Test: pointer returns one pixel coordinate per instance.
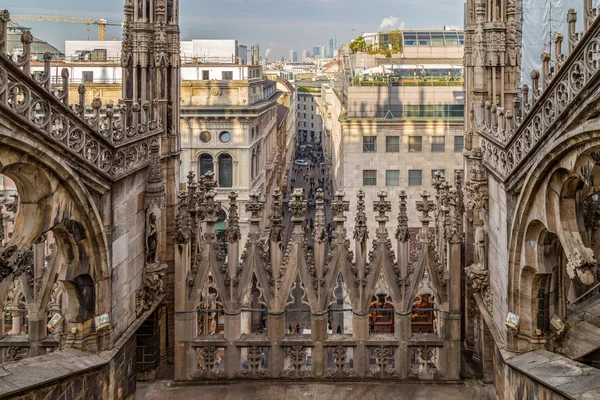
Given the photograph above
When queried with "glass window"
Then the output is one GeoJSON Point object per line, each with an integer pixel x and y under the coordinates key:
{"type": "Point", "coordinates": [415, 177]}
{"type": "Point", "coordinates": [206, 164]}
{"type": "Point", "coordinates": [392, 177]}
{"type": "Point", "coordinates": [225, 137]}
{"type": "Point", "coordinates": [410, 39]}
{"type": "Point", "coordinates": [87, 76]}
{"type": "Point", "coordinates": [424, 39]}
{"type": "Point", "coordinates": [392, 144]}
{"type": "Point", "coordinates": [369, 177]}
{"type": "Point", "coordinates": [459, 143]}
{"type": "Point", "coordinates": [437, 39]}
{"type": "Point", "coordinates": [205, 75]}
{"type": "Point", "coordinates": [227, 75]}
{"type": "Point", "coordinates": [438, 144]}
{"type": "Point", "coordinates": [435, 171]}
{"type": "Point", "coordinates": [225, 171]}
{"type": "Point", "coordinates": [205, 136]}
{"type": "Point", "coordinates": [415, 143]}
{"type": "Point", "coordinates": [369, 144]}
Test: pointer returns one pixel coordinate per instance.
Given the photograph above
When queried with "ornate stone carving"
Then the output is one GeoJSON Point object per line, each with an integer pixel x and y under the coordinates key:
{"type": "Point", "coordinates": [15, 353]}
{"type": "Point", "coordinates": [276, 218]}
{"type": "Point", "coordinates": [320, 234]}
{"type": "Point", "coordinates": [382, 357]}
{"type": "Point", "coordinates": [361, 234]}
{"type": "Point", "coordinates": [340, 357]}
{"type": "Point", "coordinates": [402, 230]}
{"type": "Point", "coordinates": [582, 264]}
{"type": "Point", "coordinates": [209, 362]}
{"type": "Point", "coordinates": [233, 233]}
{"type": "Point", "coordinates": [253, 366]}
{"type": "Point", "coordinates": [152, 288]}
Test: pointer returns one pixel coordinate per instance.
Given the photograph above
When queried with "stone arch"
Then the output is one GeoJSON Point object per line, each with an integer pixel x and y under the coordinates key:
{"type": "Point", "coordinates": [59, 197]}
{"type": "Point", "coordinates": [559, 156]}
{"type": "Point", "coordinates": [205, 163]}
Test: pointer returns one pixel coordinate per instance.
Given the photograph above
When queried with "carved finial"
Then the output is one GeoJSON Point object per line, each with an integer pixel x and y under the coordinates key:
{"type": "Point", "coordinates": [402, 230]}
{"type": "Point", "coordinates": [425, 206]}
{"type": "Point", "coordinates": [4, 16]}
{"type": "Point", "coordinates": [254, 206]}
{"type": "Point", "coordinates": [320, 232]}
{"type": "Point", "coordinates": [276, 217]}
{"type": "Point", "coordinates": [339, 206]}
{"type": "Point", "coordinates": [233, 227]}
{"type": "Point", "coordinates": [210, 207]}
{"type": "Point", "coordinates": [382, 206]}
{"type": "Point", "coordinates": [298, 206]}
{"type": "Point", "coordinates": [360, 228]}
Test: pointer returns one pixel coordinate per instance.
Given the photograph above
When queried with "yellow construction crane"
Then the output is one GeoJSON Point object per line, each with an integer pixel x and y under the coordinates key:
{"type": "Point", "coordinates": [101, 22]}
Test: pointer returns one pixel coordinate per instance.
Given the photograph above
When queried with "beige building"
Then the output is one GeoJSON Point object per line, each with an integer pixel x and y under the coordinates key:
{"type": "Point", "coordinates": [229, 127]}
{"type": "Point", "coordinates": [393, 126]}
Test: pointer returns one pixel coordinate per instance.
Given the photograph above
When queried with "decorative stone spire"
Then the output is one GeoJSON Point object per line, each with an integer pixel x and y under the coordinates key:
{"type": "Point", "coordinates": [210, 207]}
{"type": "Point", "coordinates": [402, 230]}
{"type": "Point", "coordinates": [254, 206]}
{"type": "Point", "coordinates": [155, 190]}
{"type": "Point", "coordinates": [276, 217]}
{"type": "Point", "coordinates": [339, 206]}
{"type": "Point", "coordinates": [425, 206]}
{"type": "Point", "coordinates": [382, 206]}
{"type": "Point", "coordinates": [361, 233]}
{"type": "Point", "coordinates": [233, 227]}
{"type": "Point", "coordinates": [320, 232]}
{"type": "Point", "coordinates": [298, 206]}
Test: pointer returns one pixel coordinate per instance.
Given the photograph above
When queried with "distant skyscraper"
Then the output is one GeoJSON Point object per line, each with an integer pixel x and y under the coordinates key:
{"type": "Point", "coordinates": [303, 56]}
{"type": "Point", "coordinates": [293, 56]}
{"type": "Point", "coordinates": [317, 51]}
{"type": "Point", "coordinates": [332, 48]}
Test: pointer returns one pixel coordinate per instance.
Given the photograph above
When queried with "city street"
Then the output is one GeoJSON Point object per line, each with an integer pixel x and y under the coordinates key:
{"type": "Point", "coordinates": [309, 178]}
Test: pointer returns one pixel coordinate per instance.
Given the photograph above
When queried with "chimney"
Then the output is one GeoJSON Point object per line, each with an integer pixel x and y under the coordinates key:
{"type": "Point", "coordinates": [257, 54]}
{"type": "Point", "coordinates": [251, 60]}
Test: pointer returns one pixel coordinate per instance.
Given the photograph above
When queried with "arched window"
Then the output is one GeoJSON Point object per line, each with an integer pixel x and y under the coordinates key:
{"type": "Point", "coordinates": [206, 164]}
{"type": "Point", "coordinates": [253, 165]}
{"type": "Point", "coordinates": [225, 170]}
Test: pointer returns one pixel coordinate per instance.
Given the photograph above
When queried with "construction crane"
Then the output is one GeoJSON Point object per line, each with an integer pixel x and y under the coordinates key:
{"type": "Point", "coordinates": [101, 22]}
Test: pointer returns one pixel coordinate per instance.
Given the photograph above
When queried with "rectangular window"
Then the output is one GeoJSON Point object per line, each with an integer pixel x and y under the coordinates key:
{"type": "Point", "coordinates": [434, 171]}
{"type": "Point", "coordinates": [87, 76]}
{"type": "Point", "coordinates": [459, 143]}
{"type": "Point", "coordinates": [415, 143]}
{"type": "Point", "coordinates": [461, 172]}
{"type": "Point", "coordinates": [369, 177]}
{"type": "Point", "coordinates": [369, 144]}
{"type": "Point", "coordinates": [438, 144]}
{"type": "Point", "coordinates": [392, 144]}
{"type": "Point", "coordinates": [392, 177]}
{"type": "Point", "coordinates": [415, 177]}
{"type": "Point", "coordinates": [205, 75]}
{"type": "Point", "coordinates": [227, 75]}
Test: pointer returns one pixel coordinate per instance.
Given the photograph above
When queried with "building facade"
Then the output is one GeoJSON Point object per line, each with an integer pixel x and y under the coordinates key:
{"type": "Point", "coordinates": [394, 126]}
{"type": "Point", "coordinates": [229, 128]}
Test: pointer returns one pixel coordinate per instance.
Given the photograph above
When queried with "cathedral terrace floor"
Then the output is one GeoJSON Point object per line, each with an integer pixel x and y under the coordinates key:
{"type": "Point", "coordinates": [163, 390]}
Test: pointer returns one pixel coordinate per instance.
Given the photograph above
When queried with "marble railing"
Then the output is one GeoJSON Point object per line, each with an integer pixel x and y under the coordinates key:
{"type": "Point", "coordinates": [112, 141]}
{"type": "Point", "coordinates": [507, 139]}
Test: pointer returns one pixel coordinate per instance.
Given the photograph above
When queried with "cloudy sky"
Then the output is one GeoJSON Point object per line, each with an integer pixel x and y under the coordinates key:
{"type": "Point", "coordinates": [278, 25]}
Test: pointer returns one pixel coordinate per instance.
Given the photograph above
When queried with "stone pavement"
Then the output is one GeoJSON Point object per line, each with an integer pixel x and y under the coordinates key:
{"type": "Point", "coordinates": [162, 390]}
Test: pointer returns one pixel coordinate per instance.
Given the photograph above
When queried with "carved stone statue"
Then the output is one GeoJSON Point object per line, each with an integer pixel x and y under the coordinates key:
{"type": "Point", "coordinates": [480, 256]}
{"type": "Point", "coordinates": [151, 240]}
